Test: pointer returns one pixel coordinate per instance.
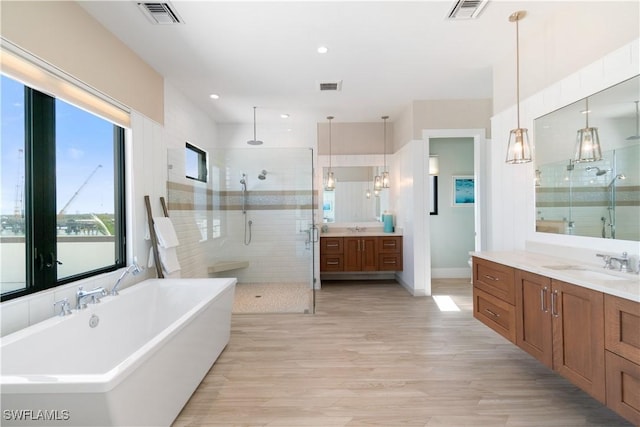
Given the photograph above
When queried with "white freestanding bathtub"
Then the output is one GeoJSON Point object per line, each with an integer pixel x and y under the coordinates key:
{"type": "Point", "coordinates": [138, 366]}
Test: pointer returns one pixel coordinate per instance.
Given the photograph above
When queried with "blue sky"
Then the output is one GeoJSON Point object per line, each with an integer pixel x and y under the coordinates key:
{"type": "Point", "coordinates": [83, 141]}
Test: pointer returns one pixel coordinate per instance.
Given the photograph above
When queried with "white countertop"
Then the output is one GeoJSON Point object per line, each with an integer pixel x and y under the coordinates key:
{"type": "Point", "coordinates": [366, 233]}
{"type": "Point", "coordinates": [591, 276]}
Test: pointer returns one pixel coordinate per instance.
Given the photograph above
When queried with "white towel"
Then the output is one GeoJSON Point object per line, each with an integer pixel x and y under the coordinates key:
{"type": "Point", "coordinates": [168, 261]}
{"type": "Point", "coordinates": [165, 232]}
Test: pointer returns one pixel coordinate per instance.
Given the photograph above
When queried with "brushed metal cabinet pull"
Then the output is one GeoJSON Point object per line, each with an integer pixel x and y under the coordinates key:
{"type": "Point", "coordinates": [491, 312]}
{"type": "Point", "coordinates": [543, 299]}
{"type": "Point", "coordinates": [554, 304]}
{"type": "Point", "coordinates": [495, 279]}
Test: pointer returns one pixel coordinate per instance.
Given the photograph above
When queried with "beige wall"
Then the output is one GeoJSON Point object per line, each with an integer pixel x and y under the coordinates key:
{"type": "Point", "coordinates": [64, 35]}
{"type": "Point", "coordinates": [355, 138]}
{"type": "Point", "coordinates": [573, 38]}
{"type": "Point", "coordinates": [451, 114]}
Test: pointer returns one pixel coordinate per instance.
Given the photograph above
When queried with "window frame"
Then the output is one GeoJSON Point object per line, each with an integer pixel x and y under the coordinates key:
{"type": "Point", "coordinates": [40, 197]}
{"type": "Point", "coordinates": [202, 163]}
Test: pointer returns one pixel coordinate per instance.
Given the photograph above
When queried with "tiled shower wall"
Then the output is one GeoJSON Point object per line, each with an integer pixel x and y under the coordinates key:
{"type": "Point", "coordinates": [568, 191]}
{"type": "Point", "coordinates": [211, 226]}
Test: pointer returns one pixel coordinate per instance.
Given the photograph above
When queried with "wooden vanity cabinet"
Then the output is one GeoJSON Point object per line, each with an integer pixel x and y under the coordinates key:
{"type": "Point", "coordinates": [494, 297]}
{"type": "Point", "coordinates": [533, 320]}
{"type": "Point", "coordinates": [389, 253]}
{"type": "Point", "coordinates": [331, 254]}
{"type": "Point", "coordinates": [562, 325]}
{"type": "Point", "coordinates": [361, 253]}
{"type": "Point", "coordinates": [622, 344]}
{"type": "Point", "coordinates": [578, 336]}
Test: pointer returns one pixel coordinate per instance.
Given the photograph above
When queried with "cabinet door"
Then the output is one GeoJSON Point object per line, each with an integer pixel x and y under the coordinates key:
{"type": "Point", "coordinates": [533, 318]}
{"type": "Point", "coordinates": [369, 253]}
{"type": "Point", "coordinates": [578, 336]}
{"type": "Point", "coordinates": [352, 257]}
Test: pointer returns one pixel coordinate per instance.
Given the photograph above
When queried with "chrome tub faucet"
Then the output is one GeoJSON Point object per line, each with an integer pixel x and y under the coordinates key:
{"type": "Point", "coordinates": [82, 296]}
{"type": "Point", "coordinates": [134, 269]}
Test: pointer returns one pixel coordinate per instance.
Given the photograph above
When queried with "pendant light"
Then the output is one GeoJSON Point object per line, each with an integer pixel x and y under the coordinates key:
{"type": "Point", "coordinates": [519, 148]}
{"type": "Point", "coordinates": [330, 184]}
{"type": "Point", "coordinates": [587, 142]}
{"type": "Point", "coordinates": [254, 141]}
{"type": "Point", "coordinates": [385, 173]}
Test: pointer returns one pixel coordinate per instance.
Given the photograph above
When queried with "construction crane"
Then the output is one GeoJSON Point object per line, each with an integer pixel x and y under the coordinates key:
{"type": "Point", "coordinates": [64, 209]}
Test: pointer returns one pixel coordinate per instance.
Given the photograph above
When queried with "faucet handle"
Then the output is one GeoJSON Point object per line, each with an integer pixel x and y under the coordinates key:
{"type": "Point", "coordinates": [607, 260]}
{"type": "Point", "coordinates": [64, 307]}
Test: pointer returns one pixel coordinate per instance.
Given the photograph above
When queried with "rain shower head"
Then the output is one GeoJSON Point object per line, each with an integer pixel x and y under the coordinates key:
{"type": "Point", "coordinates": [263, 175]}
{"type": "Point", "coordinates": [599, 172]}
{"type": "Point", "coordinates": [254, 141]}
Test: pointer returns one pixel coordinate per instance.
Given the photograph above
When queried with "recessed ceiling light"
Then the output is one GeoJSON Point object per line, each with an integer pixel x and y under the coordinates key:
{"type": "Point", "coordinates": [214, 96]}
{"type": "Point", "coordinates": [323, 49]}
{"type": "Point", "coordinates": [284, 116]}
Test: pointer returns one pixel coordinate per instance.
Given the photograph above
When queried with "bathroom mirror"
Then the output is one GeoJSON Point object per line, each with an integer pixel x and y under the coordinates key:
{"type": "Point", "coordinates": [349, 201]}
{"type": "Point", "coordinates": [599, 198]}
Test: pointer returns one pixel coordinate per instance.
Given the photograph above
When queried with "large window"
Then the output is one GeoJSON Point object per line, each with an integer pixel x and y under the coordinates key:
{"type": "Point", "coordinates": [62, 192]}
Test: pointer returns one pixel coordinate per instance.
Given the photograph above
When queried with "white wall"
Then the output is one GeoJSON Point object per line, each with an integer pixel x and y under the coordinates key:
{"type": "Point", "coordinates": [512, 211]}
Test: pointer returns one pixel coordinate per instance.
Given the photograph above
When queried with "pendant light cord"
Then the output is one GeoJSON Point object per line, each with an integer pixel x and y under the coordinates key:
{"type": "Point", "coordinates": [518, 69]}
{"type": "Point", "coordinates": [587, 112]}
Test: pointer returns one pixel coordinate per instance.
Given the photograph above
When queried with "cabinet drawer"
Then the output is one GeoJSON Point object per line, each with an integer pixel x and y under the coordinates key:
{"type": "Point", "coordinates": [331, 245]}
{"type": "Point", "coordinates": [495, 313]}
{"type": "Point", "coordinates": [495, 279]}
{"type": "Point", "coordinates": [390, 262]}
{"type": "Point", "coordinates": [389, 244]}
{"type": "Point", "coordinates": [331, 263]}
{"type": "Point", "coordinates": [623, 387]}
{"type": "Point", "coordinates": [622, 327]}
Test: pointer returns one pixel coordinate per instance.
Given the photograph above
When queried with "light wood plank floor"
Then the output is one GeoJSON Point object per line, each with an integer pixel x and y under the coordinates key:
{"type": "Point", "coordinates": [375, 355]}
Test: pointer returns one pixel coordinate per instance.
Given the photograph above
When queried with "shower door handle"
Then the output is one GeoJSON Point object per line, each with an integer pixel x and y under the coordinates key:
{"type": "Point", "coordinates": [316, 235]}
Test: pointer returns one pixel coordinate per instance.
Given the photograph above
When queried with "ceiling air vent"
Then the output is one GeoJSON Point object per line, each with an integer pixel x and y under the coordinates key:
{"type": "Point", "coordinates": [467, 9]}
{"type": "Point", "coordinates": [330, 86]}
{"type": "Point", "coordinates": [160, 13]}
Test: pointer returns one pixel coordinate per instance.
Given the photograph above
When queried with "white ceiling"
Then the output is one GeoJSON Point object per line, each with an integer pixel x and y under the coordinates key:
{"type": "Point", "coordinates": [387, 53]}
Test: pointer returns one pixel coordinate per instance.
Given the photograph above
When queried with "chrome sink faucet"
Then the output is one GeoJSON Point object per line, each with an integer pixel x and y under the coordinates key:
{"type": "Point", "coordinates": [82, 296]}
{"type": "Point", "coordinates": [621, 263]}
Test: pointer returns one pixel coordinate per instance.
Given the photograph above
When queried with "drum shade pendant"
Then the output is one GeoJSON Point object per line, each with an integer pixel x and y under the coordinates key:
{"type": "Point", "coordinates": [519, 148]}
{"type": "Point", "coordinates": [587, 142]}
{"type": "Point", "coordinates": [330, 183]}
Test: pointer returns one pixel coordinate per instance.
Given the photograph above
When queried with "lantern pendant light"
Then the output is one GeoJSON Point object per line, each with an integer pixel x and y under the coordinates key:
{"type": "Point", "coordinates": [385, 173]}
{"type": "Point", "coordinates": [331, 181]}
{"type": "Point", "coordinates": [519, 148]}
{"type": "Point", "coordinates": [587, 142]}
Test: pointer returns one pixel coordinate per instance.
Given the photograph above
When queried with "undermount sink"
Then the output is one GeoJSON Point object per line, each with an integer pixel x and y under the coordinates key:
{"type": "Point", "coordinates": [581, 272]}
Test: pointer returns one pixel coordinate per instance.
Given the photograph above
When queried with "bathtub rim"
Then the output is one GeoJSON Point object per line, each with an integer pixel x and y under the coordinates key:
{"type": "Point", "coordinates": [104, 382]}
